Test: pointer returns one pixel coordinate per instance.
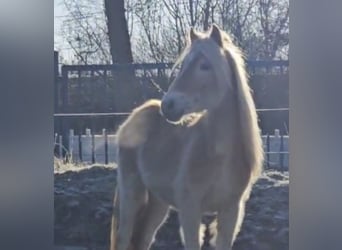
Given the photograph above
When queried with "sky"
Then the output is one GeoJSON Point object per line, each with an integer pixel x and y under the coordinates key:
{"type": "Point", "coordinates": [59, 45]}
{"type": "Point", "coordinates": [60, 14]}
{"type": "Point", "coordinates": [58, 11]}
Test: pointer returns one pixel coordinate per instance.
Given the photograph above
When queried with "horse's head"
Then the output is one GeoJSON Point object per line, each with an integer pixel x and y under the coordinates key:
{"type": "Point", "coordinates": [204, 77]}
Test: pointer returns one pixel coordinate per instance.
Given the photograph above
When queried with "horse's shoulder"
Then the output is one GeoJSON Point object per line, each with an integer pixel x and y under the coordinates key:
{"type": "Point", "coordinates": [134, 131]}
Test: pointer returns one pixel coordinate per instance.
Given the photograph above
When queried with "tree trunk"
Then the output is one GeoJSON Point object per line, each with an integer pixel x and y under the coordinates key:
{"type": "Point", "coordinates": [191, 5]}
{"type": "Point", "coordinates": [120, 46]}
{"type": "Point", "coordinates": [206, 15]}
{"type": "Point", "coordinates": [126, 88]}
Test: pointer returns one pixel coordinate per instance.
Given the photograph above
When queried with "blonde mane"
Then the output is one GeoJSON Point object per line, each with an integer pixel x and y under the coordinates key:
{"type": "Point", "coordinates": [250, 132]}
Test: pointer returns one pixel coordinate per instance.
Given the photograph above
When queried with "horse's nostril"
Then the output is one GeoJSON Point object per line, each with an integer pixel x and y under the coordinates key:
{"type": "Point", "coordinates": [170, 110]}
{"type": "Point", "coordinates": [170, 104]}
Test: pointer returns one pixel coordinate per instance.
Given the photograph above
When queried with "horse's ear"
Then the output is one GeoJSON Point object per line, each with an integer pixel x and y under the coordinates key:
{"type": "Point", "coordinates": [193, 35]}
{"type": "Point", "coordinates": [216, 34]}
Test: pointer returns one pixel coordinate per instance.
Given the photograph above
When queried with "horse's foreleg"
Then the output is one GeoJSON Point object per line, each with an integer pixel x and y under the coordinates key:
{"type": "Point", "coordinates": [149, 220]}
{"type": "Point", "coordinates": [190, 220]}
{"type": "Point", "coordinates": [228, 225]}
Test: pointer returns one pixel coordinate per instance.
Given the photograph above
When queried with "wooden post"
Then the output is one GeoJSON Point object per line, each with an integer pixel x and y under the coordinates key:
{"type": "Point", "coordinates": [65, 101]}
{"type": "Point", "coordinates": [268, 150]}
{"type": "Point", "coordinates": [104, 132]}
{"type": "Point", "coordinates": [60, 148]}
{"type": "Point", "coordinates": [65, 105]}
{"type": "Point", "coordinates": [71, 143]}
{"type": "Point", "coordinates": [276, 157]}
{"type": "Point", "coordinates": [282, 151]}
{"type": "Point", "coordinates": [56, 74]}
{"type": "Point", "coordinates": [55, 144]}
{"type": "Point", "coordinates": [80, 146]}
{"type": "Point", "coordinates": [93, 148]}
{"type": "Point", "coordinates": [276, 133]}
{"type": "Point", "coordinates": [87, 142]}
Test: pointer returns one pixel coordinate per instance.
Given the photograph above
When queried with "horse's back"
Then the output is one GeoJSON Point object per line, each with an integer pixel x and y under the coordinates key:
{"type": "Point", "coordinates": [135, 130]}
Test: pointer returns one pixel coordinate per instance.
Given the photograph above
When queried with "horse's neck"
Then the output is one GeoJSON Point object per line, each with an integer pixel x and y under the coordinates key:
{"type": "Point", "coordinates": [222, 126]}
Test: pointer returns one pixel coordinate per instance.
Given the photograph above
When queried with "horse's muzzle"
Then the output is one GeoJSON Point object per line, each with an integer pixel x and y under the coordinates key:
{"type": "Point", "coordinates": [170, 110]}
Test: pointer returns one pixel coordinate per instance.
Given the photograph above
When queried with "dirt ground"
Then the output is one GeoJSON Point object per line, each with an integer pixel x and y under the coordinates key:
{"type": "Point", "coordinates": [83, 205]}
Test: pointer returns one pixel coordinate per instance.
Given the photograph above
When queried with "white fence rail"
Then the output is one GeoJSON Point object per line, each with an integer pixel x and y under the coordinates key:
{"type": "Point", "coordinates": [101, 148]}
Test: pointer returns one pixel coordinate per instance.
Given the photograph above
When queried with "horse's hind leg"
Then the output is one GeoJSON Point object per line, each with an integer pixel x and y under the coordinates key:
{"type": "Point", "coordinates": [148, 223]}
{"type": "Point", "coordinates": [228, 225]}
{"type": "Point", "coordinates": [132, 197]}
{"type": "Point", "coordinates": [131, 202]}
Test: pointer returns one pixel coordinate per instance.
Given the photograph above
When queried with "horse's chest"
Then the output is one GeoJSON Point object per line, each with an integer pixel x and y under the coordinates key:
{"type": "Point", "coordinates": [168, 170]}
{"type": "Point", "coordinates": [220, 188]}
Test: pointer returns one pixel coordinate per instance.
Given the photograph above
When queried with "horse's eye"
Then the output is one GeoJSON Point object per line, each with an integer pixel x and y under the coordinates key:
{"type": "Point", "coordinates": [205, 66]}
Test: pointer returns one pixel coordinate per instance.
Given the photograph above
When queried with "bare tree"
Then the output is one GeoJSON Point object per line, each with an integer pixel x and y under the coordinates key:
{"type": "Point", "coordinates": [150, 17]}
{"type": "Point", "coordinates": [274, 20]}
{"type": "Point", "coordinates": [154, 31]}
{"type": "Point", "coordinates": [191, 7]}
{"type": "Point", "coordinates": [120, 45]}
{"type": "Point", "coordinates": [206, 11]}
{"type": "Point", "coordinates": [85, 32]}
{"type": "Point", "coordinates": [127, 92]}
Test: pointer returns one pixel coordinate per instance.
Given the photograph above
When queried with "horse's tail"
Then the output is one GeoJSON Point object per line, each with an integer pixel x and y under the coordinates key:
{"type": "Point", "coordinates": [134, 131]}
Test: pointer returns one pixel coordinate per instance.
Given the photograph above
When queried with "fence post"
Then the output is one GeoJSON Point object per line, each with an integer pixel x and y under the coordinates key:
{"type": "Point", "coordinates": [104, 132]}
{"type": "Point", "coordinates": [60, 146]}
{"type": "Point", "coordinates": [268, 150]}
{"type": "Point", "coordinates": [56, 73]}
{"type": "Point", "coordinates": [56, 94]}
{"type": "Point", "coordinates": [277, 138]}
{"type": "Point", "coordinates": [55, 148]}
{"type": "Point", "coordinates": [71, 143]}
{"type": "Point", "coordinates": [277, 133]}
{"type": "Point", "coordinates": [93, 148]}
{"type": "Point", "coordinates": [282, 151]}
{"type": "Point", "coordinates": [80, 146]}
{"type": "Point", "coordinates": [65, 105]}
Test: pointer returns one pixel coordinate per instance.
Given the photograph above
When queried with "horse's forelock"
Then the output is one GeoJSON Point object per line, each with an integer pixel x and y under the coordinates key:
{"type": "Point", "coordinates": [180, 58]}
{"type": "Point", "coordinates": [210, 51]}
{"type": "Point", "coordinates": [217, 59]}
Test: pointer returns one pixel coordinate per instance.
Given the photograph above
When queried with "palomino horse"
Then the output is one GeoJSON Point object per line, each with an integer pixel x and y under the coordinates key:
{"type": "Point", "coordinates": [199, 150]}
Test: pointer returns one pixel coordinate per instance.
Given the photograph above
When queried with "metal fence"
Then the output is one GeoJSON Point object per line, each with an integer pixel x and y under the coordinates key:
{"type": "Point", "coordinates": [83, 95]}
{"type": "Point", "coordinates": [90, 148]}
{"type": "Point", "coordinates": [73, 77]}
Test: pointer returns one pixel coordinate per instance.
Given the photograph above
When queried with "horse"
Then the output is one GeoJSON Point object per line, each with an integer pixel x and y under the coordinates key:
{"type": "Point", "coordinates": [198, 150]}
